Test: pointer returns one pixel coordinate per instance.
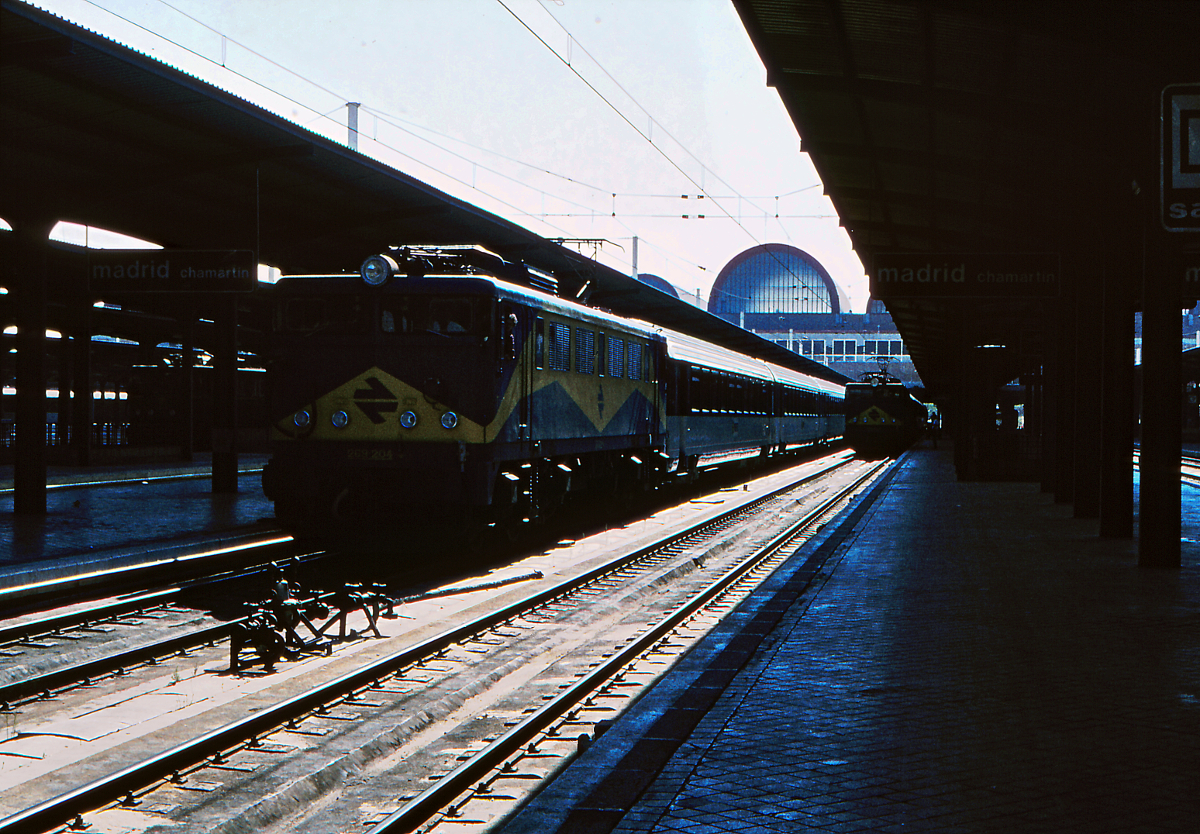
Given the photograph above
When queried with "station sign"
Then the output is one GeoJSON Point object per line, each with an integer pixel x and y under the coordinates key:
{"type": "Point", "coordinates": [171, 270]}
{"type": "Point", "coordinates": [1179, 164]}
{"type": "Point", "coordinates": [899, 275]}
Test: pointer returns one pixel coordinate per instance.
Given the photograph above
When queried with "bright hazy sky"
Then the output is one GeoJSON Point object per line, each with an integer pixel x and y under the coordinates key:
{"type": "Point", "coordinates": [540, 112]}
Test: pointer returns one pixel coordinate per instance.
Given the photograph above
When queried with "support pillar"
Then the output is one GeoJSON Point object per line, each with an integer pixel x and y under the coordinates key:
{"type": "Point", "coordinates": [63, 426]}
{"type": "Point", "coordinates": [1160, 514]}
{"type": "Point", "coordinates": [1117, 383]}
{"type": "Point", "coordinates": [224, 428]}
{"type": "Point", "coordinates": [186, 404]}
{"type": "Point", "coordinates": [1087, 399]}
{"type": "Point", "coordinates": [81, 410]}
{"type": "Point", "coordinates": [1064, 444]}
{"type": "Point", "coordinates": [965, 431]}
{"type": "Point", "coordinates": [29, 472]}
{"type": "Point", "coordinates": [1049, 406]}
{"type": "Point", "coordinates": [4, 361]}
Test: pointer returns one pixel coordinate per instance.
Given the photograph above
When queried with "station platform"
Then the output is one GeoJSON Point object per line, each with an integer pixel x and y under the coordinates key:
{"type": "Point", "coordinates": [950, 657]}
{"type": "Point", "coordinates": [115, 516]}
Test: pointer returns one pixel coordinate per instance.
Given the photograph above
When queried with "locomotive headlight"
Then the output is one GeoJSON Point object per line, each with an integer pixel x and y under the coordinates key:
{"type": "Point", "coordinates": [449, 420]}
{"type": "Point", "coordinates": [302, 419]}
{"type": "Point", "coordinates": [377, 270]}
{"type": "Point", "coordinates": [340, 419]}
{"type": "Point", "coordinates": [408, 419]}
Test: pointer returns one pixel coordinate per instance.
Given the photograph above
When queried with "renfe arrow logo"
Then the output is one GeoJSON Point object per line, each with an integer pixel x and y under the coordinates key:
{"type": "Point", "coordinates": [375, 400]}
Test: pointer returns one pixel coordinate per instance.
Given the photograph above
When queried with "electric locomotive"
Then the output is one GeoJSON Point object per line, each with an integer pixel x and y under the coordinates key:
{"type": "Point", "coordinates": [882, 416]}
{"type": "Point", "coordinates": [447, 385]}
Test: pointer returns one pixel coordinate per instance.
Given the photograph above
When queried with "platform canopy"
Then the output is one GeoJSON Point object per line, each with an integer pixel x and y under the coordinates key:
{"type": "Point", "coordinates": [980, 127]}
{"type": "Point", "coordinates": [95, 133]}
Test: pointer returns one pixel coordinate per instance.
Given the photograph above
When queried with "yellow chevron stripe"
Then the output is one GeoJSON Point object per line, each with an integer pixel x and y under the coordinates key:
{"type": "Point", "coordinates": [583, 389]}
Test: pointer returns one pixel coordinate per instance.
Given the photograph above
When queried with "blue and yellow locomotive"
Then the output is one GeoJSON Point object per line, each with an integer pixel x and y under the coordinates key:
{"type": "Point", "coordinates": [882, 415]}
{"type": "Point", "coordinates": [441, 384]}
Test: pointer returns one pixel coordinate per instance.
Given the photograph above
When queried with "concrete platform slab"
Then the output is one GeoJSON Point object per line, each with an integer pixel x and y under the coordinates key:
{"type": "Point", "coordinates": [971, 658]}
{"type": "Point", "coordinates": [108, 512]}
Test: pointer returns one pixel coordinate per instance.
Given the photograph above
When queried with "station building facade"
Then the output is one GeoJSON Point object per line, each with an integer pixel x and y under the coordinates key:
{"type": "Point", "coordinates": [784, 294]}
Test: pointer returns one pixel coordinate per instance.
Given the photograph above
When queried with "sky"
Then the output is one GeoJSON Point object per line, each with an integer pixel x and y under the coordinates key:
{"type": "Point", "coordinates": [579, 119]}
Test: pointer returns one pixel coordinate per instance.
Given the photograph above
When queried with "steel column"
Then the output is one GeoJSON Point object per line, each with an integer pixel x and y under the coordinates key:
{"type": "Point", "coordinates": [29, 473]}
{"type": "Point", "coordinates": [1159, 516]}
{"type": "Point", "coordinates": [1089, 301]}
{"type": "Point", "coordinates": [224, 419]}
{"type": "Point", "coordinates": [1117, 378]}
{"type": "Point", "coordinates": [1064, 427]}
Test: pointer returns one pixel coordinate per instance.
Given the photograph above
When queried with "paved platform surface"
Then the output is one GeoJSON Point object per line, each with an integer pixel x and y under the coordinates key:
{"type": "Point", "coordinates": [93, 511]}
{"type": "Point", "coordinates": [960, 658]}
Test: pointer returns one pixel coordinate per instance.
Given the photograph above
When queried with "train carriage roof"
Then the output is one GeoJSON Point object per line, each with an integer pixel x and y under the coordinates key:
{"type": "Point", "coordinates": [686, 348]}
{"type": "Point", "coordinates": [680, 346]}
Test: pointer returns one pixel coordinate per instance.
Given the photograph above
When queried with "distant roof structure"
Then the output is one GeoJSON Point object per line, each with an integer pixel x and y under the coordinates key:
{"type": "Point", "coordinates": [874, 305]}
{"type": "Point", "coordinates": [660, 284]}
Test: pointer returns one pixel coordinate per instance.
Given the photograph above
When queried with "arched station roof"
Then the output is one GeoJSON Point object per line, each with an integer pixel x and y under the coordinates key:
{"type": "Point", "coordinates": [774, 278]}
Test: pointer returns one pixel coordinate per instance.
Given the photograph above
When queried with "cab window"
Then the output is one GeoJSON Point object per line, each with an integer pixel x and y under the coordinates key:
{"type": "Point", "coordinates": [447, 316]}
{"type": "Point", "coordinates": [325, 314]}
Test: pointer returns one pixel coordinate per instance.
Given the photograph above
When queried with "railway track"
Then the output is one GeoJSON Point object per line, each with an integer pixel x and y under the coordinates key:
{"type": "Point", "coordinates": [1190, 469]}
{"type": "Point", "coordinates": [168, 568]}
{"type": "Point", "coordinates": [44, 641]}
{"type": "Point", "coordinates": [522, 669]}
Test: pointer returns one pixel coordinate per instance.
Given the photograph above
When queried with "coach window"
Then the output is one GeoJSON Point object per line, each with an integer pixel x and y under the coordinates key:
{"type": "Point", "coordinates": [539, 343]}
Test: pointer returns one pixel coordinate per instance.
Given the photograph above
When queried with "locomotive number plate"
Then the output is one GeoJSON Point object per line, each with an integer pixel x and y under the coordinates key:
{"type": "Point", "coordinates": [368, 454]}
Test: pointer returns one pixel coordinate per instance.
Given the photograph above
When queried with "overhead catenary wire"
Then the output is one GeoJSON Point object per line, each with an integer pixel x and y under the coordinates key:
{"type": "Point", "coordinates": [393, 121]}
{"type": "Point", "coordinates": [648, 138]}
{"type": "Point", "coordinates": [287, 98]}
{"type": "Point", "coordinates": [518, 210]}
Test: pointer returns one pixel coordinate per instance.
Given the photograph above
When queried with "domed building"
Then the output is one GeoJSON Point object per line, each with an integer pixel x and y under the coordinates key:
{"type": "Point", "coordinates": [784, 294]}
{"type": "Point", "coordinates": [771, 280]}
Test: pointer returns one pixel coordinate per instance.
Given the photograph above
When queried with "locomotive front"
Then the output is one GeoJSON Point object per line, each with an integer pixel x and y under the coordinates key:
{"type": "Point", "coordinates": [882, 416]}
{"type": "Point", "coordinates": [387, 394]}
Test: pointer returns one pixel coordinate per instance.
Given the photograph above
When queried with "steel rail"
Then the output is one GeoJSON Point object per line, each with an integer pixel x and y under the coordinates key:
{"type": "Point", "coordinates": [195, 563]}
{"type": "Point", "coordinates": [101, 611]}
{"type": "Point", "coordinates": [61, 810]}
{"type": "Point", "coordinates": [81, 673]}
{"type": "Point", "coordinates": [98, 612]}
{"type": "Point", "coordinates": [439, 795]}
